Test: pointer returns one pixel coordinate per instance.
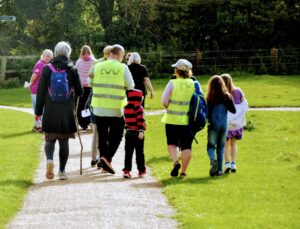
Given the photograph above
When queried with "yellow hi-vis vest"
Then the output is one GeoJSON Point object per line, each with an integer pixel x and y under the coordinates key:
{"type": "Point", "coordinates": [108, 85]}
{"type": "Point", "coordinates": [179, 103]}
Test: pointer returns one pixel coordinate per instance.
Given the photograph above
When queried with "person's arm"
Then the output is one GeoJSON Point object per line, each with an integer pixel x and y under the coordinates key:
{"type": "Point", "coordinates": [129, 83]}
{"type": "Point", "coordinates": [149, 85]}
{"type": "Point", "coordinates": [140, 121]}
{"type": "Point", "coordinates": [32, 79]}
{"type": "Point", "coordinates": [230, 105]}
{"type": "Point", "coordinates": [167, 94]}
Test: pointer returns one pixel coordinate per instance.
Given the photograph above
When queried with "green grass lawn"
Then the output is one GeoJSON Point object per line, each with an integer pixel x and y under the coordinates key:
{"type": "Point", "coordinates": [18, 97]}
{"type": "Point", "coordinates": [260, 90]}
{"type": "Point", "coordinates": [19, 156]}
{"type": "Point", "coordinates": [264, 193]}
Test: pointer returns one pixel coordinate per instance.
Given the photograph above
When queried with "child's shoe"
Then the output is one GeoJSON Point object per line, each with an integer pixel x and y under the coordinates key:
{"type": "Point", "coordinates": [175, 170]}
{"type": "Point", "coordinates": [233, 167]}
{"type": "Point", "coordinates": [142, 174]}
{"type": "Point", "coordinates": [227, 167]}
{"type": "Point", "coordinates": [182, 175]}
{"type": "Point", "coordinates": [62, 175]}
{"type": "Point", "coordinates": [126, 174]}
{"type": "Point", "coordinates": [213, 168]}
{"type": "Point", "coordinates": [49, 169]}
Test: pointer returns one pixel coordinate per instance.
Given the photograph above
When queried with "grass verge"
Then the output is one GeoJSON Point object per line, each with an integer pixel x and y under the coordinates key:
{"type": "Point", "coordinates": [17, 97]}
{"type": "Point", "coordinates": [264, 193]}
{"type": "Point", "coordinates": [19, 158]}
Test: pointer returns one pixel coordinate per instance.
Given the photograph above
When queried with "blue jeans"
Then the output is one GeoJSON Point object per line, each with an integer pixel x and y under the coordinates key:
{"type": "Point", "coordinates": [217, 132]}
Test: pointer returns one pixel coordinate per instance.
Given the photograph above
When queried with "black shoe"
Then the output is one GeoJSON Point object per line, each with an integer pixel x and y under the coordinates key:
{"type": "Point", "coordinates": [175, 170]}
{"type": "Point", "coordinates": [107, 166]}
{"type": "Point", "coordinates": [227, 170]}
{"type": "Point", "coordinates": [99, 165]}
{"type": "Point", "coordinates": [214, 167]}
{"type": "Point", "coordinates": [94, 162]}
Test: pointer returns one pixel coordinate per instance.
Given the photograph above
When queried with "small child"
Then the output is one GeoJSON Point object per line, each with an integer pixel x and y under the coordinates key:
{"type": "Point", "coordinates": [236, 123]}
{"type": "Point", "coordinates": [219, 101]}
{"type": "Point", "coordinates": [46, 57]}
{"type": "Point", "coordinates": [134, 137]}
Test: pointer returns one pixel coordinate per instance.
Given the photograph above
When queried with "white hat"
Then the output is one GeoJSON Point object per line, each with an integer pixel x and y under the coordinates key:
{"type": "Point", "coordinates": [183, 64]}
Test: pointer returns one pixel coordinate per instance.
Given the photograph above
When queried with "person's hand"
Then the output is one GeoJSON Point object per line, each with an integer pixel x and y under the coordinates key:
{"type": "Point", "coordinates": [152, 95]}
{"type": "Point", "coordinates": [141, 135]}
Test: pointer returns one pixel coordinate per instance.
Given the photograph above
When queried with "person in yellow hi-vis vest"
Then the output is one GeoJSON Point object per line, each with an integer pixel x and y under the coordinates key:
{"type": "Point", "coordinates": [109, 84]}
{"type": "Point", "coordinates": [176, 99]}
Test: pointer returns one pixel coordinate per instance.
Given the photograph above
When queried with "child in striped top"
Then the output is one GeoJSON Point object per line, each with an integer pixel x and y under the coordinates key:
{"type": "Point", "coordinates": [134, 137]}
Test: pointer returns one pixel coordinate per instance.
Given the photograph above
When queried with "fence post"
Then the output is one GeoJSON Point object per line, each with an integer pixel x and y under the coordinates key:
{"type": "Point", "coordinates": [3, 68]}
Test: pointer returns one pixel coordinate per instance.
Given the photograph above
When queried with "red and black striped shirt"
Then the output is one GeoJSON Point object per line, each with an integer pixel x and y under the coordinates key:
{"type": "Point", "coordinates": [134, 112]}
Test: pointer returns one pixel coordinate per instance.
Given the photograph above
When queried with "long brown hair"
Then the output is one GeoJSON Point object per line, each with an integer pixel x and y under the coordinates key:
{"type": "Point", "coordinates": [217, 91]}
{"type": "Point", "coordinates": [228, 82]}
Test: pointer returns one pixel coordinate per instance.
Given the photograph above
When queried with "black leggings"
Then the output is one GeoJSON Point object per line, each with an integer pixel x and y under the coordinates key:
{"type": "Point", "coordinates": [63, 151]}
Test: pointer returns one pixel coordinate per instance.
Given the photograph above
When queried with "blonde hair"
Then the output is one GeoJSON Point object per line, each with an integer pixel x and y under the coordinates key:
{"type": "Point", "coordinates": [86, 50]}
{"type": "Point", "coordinates": [106, 51]}
{"type": "Point", "coordinates": [47, 52]}
{"type": "Point", "coordinates": [134, 58]}
{"type": "Point", "coordinates": [228, 82]}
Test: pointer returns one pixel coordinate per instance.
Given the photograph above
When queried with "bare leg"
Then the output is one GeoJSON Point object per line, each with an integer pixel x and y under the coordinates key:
{"type": "Point", "coordinates": [173, 152]}
{"type": "Point", "coordinates": [226, 149]}
{"type": "Point", "coordinates": [233, 149]}
{"type": "Point", "coordinates": [185, 157]}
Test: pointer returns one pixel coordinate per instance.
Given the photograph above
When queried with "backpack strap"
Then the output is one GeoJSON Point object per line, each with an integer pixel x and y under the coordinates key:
{"type": "Point", "coordinates": [197, 88]}
{"type": "Point", "coordinates": [52, 68]}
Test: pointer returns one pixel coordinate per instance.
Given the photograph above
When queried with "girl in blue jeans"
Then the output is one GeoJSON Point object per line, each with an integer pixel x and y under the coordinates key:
{"type": "Point", "coordinates": [219, 102]}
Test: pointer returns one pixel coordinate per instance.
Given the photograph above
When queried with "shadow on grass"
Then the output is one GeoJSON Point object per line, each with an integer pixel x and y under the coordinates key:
{"type": "Point", "coordinates": [155, 160]}
{"type": "Point", "coordinates": [191, 181]}
{"type": "Point", "coordinates": [16, 183]}
{"type": "Point", "coordinates": [15, 135]}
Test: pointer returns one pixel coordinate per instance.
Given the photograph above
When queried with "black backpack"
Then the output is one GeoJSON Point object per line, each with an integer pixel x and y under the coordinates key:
{"type": "Point", "coordinates": [198, 111]}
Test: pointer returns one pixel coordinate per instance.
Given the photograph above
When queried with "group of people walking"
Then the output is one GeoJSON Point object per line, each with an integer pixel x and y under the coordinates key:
{"type": "Point", "coordinates": [114, 94]}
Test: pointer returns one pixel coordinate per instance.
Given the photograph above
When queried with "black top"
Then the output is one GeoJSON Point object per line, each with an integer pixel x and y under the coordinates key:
{"type": "Point", "coordinates": [58, 117]}
{"type": "Point", "coordinates": [138, 72]}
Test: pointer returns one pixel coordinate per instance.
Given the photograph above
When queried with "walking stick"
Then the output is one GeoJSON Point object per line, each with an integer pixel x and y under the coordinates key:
{"type": "Point", "coordinates": [78, 132]}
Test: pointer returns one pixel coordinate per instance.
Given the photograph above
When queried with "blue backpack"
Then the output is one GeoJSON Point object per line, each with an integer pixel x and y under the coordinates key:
{"type": "Point", "coordinates": [59, 89]}
{"type": "Point", "coordinates": [198, 112]}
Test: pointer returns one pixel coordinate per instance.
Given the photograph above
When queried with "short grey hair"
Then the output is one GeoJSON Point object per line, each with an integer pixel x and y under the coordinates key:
{"type": "Point", "coordinates": [62, 49]}
{"type": "Point", "coordinates": [134, 58]}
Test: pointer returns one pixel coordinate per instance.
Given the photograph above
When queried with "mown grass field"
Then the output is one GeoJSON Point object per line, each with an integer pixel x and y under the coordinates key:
{"type": "Point", "coordinates": [19, 157]}
{"type": "Point", "coordinates": [264, 193]}
{"type": "Point", "coordinates": [260, 90]}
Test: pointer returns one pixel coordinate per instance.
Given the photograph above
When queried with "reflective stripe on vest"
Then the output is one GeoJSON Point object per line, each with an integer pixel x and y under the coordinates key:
{"type": "Point", "coordinates": [178, 102]}
{"type": "Point", "coordinates": [109, 96]}
{"type": "Point", "coordinates": [109, 85]}
{"type": "Point", "coordinates": [104, 85]}
{"type": "Point", "coordinates": [177, 113]}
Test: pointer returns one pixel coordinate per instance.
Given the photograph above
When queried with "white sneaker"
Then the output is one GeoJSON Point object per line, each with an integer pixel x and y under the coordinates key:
{"type": "Point", "coordinates": [62, 176]}
{"type": "Point", "coordinates": [227, 167]}
{"type": "Point", "coordinates": [233, 167]}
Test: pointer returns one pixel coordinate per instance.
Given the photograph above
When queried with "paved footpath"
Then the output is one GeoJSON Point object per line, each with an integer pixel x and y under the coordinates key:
{"type": "Point", "coordinates": [93, 200]}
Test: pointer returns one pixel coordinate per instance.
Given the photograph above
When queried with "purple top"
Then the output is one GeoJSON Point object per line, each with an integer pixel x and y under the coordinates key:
{"type": "Point", "coordinates": [37, 69]}
{"type": "Point", "coordinates": [237, 96]}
